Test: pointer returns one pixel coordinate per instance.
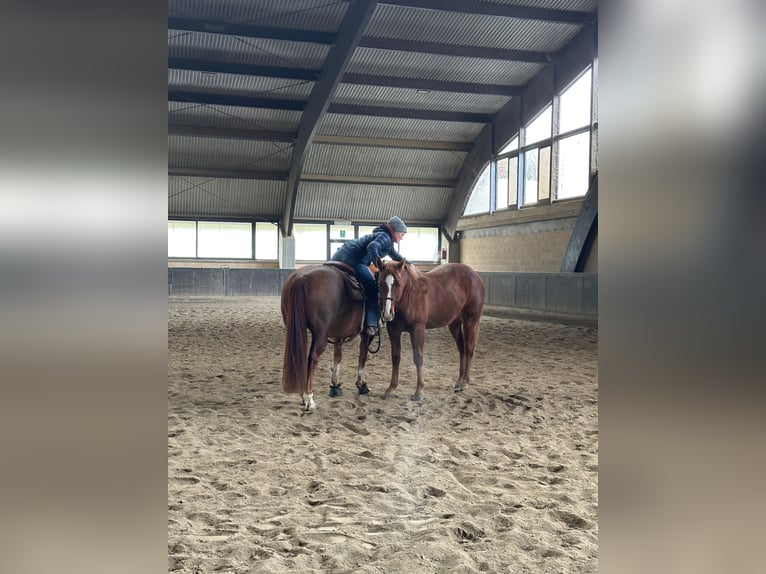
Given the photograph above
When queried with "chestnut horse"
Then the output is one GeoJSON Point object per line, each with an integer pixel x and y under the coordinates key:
{"type": "Point", "coordinates": [315, 297]}
{"type": "Point", "coordinates": [410, 300]}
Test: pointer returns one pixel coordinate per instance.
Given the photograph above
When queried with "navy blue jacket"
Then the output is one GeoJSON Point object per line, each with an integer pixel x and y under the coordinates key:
{"type": "Point", "coordinates": [368, 248]}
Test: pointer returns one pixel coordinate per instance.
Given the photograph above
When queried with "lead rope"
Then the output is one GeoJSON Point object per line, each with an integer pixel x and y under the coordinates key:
{"type": "Point", "coordinates": [371, 341]}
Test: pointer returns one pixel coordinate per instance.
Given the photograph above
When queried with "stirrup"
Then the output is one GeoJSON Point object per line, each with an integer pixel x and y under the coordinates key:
{"type": "Point", "coordinates": [371, 330]}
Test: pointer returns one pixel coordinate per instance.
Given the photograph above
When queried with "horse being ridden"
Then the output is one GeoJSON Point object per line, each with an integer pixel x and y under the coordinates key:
{"type": "Point", "coordinates": [315, 297]}
{"type": "Point", "coordinates": [360, 253]}
{"type": "Point", "coordinates": [412, 301]}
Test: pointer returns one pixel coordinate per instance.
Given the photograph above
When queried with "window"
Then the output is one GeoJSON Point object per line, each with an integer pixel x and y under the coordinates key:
{"type": "Point", "coordinates": [529, 193]}
{"type": "Point", "coordinates": [478, 202]}
{"type": "Point", "coordinates": [502, 184]}
{"type": "Point", "coordinates": [574, 104]}
{"type": "Point", "coordinates": [225, 239]}
{"type": "Point", "coordinates": [539, 128]}
{"type": "Point", "coordinates": [573, 166]}
{"type": "Point", "coordinates": [513, 145]}
{"type": "Point", "coordinates": [339, 234]}
{"type": "Point", "coordinates": [513, 181]}
{"type": "Point", "coordinates": [182, 239]}
{"type": "Point", "coordinates": [310, 241]}
{"type": "Point", "coordinates": [266, 241]}
{"type": "Point", "coordinates": [420, 244]}
{"type": "Point", "coordinates": [544, 174]}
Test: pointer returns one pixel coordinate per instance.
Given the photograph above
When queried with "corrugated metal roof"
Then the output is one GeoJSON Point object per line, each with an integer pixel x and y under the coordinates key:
{"type": "Point", "coordinates": [255, 199]}
{"type": "Point", "coordinates": [180, 113]}
{"type": "Point", "coordinates": [260, 51]}
{"type": "Point", "coordinates": [235, 84]}
{"type": "Point", "coordinates": [461, 29]}
{"type": "Point", "coordinates": [575, 5]}
{"type": "Point", "coordinates": [326, 159]}
{"type": "Point", "coordinates": [409, 98]}
{"type": "Point", "coordinates": [371, 203]}
{"type": "Point", "coordinates": [438, 67]}
{"type": "Point", "coordinates": [184, 151]}
{"type": "Point", "coordinates": [403, 128]}
{"type": "Point", "coordinates": [360, 161]}
{"type": "Point", "coordinates": [322, 15]}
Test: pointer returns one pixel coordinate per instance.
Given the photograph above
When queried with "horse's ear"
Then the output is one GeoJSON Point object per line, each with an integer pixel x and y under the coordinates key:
{"type": "Point", "coordinates": [379, 263]}
{"type": "Point", "coordinates": [402, 263]}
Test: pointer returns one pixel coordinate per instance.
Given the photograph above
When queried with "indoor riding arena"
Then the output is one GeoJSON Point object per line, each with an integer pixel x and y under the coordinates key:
{"type": "Point", "coordinates": [296, 127]}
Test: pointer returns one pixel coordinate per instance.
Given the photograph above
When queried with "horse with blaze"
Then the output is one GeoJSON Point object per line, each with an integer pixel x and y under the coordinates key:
{"type": "Point", "coordinates": [450, 295]}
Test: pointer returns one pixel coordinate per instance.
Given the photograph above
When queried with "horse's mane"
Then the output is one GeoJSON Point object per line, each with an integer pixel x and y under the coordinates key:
{"type": "Point", "coordinates": [412, 271]}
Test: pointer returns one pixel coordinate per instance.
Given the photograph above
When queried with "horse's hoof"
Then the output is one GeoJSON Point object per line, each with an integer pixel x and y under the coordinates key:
{"type": "Point", "coordinates": [417, 398]}
{"type": "Point", "coordinates": [458, 389]}
{"type": "Point", "coordinates": [335, 391]}
{"type": "Point", "coordinates": [387, 396]}
{"type": "Point", "coordinates": [363, 390]}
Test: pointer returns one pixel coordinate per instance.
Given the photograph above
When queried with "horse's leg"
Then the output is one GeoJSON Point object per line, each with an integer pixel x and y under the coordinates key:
{"type": "Point", "coordinates": [396, 356]}
{"type": "Point", "coordinates": [361, 386]}
{"type": "Point", "coordinates": [318, 344]}
{"type": "Point", "coordinates": [418, 336]}
{"type": "Point", "coordinates": [457, 334]}
{"type": "Point", "coordinates": [337, 356]}
{"type": "Point", "coordinates": [471, 330]}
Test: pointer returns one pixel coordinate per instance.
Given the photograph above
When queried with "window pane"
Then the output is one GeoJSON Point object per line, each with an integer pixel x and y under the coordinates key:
{"type": "Point", "coordinates": [478, 202]}
{"type": "Point", "coordinates": [502, 184]}
{"type": "Point", "coordinates": [420, 244]}
{"type": "Point", "coordinates": [341, 231]}
{"type": "Point", "coordinates": [310, 242]}
{"type": "Point", "coordinates": [334, 246]}
{"type": "Point", "coordinates": [513, 181]}
{"type": "Point", "coordinates": [544, 174]}
{"type": "Point", "coordinates": [574, 104]}
{"type": "Point", "coordinates": [367, 229]}
{"type": "Point", "coordinates": [513, 145]}
{"type": "Point", "coordinates": [225, 239]}
{"type": "Point", "coordinates": [182, 239]}
{"type": "Point", "coordinates": [266, 241]}
{"type": "Point", "coordinates": [574, 166]}
{"type": "Point", "coordinates": [529, 194]}
{"type": "Point", "coordinates": [539, 128]}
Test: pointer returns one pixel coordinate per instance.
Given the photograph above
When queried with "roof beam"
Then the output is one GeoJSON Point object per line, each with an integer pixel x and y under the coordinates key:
{"type": "Point", "coordinates": [433, 85]}
{"type": "Point", "coordinates": [299, 105]}
{"type": "Point", "coordinates": [371, 180]}
{"type": "Point", "coordinates": [392, 143]}
{"type": "Point", "coordinates": [230, 133]}
{"type": "Point", "coordinates": [394, 44]}
{"type": "Point", "coordinates": [283, 175]}
{"type": "Point", "coordinates": [232, 100]}
{"type": "Point", "coordinates": [354, 22]}
{"type": "Point", "coordinates": [250, 30]}
{"type": "Point", "coordinates": [504, 10]}
{"type": "Point", "coordinates": [454, 50]}
{"type": "Point", "coordinates": [197, 65]}
{"type": "Point", "coordinates": [582, 234]}
{"type": "Point", "coordinates": [228, 173]}
{"type": "Point", "coordinates": [290, 137]}
{"type": "Point", "coordinates": [387, 112]}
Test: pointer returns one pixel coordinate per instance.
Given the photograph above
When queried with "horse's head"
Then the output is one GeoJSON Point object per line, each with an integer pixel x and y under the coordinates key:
{"type": "Point", "coordinates": [391, 281]}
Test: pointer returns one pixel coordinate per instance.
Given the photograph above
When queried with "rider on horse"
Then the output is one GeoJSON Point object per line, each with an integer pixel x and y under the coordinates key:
{"type": "Point", "coordinates": [360, 253]}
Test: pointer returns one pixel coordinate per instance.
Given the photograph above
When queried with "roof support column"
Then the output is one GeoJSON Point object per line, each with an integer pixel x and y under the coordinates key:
{"type": "Point", "coordinates": [354, 23]}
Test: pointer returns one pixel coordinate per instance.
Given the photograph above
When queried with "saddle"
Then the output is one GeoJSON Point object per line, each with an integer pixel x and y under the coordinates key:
{"type": "Point", "coordinates": [353, 287]}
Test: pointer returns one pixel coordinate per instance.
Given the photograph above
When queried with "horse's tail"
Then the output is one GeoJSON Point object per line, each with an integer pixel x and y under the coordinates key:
{"type": "Point", "coordinates": [295, 364]}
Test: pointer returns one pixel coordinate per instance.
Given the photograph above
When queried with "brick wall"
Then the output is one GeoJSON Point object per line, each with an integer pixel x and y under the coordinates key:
{"type": "Point", "coordinates": [531, 240]}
